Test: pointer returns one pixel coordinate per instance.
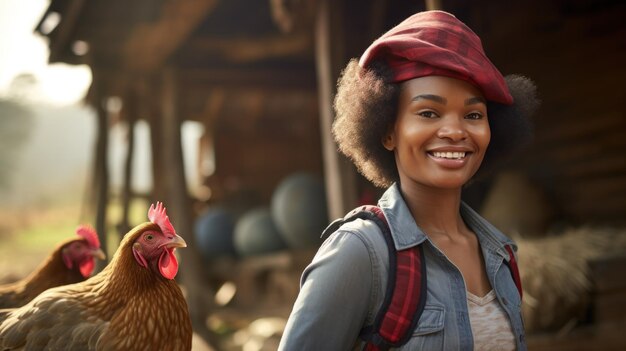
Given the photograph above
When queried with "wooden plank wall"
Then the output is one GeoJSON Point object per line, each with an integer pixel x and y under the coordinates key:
{"type": "Point", "coordinates": [263, 138]}
{"type": "Point", "coordinates": [575, 52]}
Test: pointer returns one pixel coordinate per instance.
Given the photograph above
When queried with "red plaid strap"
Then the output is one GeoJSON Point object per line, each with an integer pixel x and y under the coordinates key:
{"type": "Point", "coordinates": [406, 296]}
{"type": "Point", "coordinates": [514, 270]}
{"type": "Point", "coordinates": [404, 300]}
{"type": "Point", "coordinates": [398, 320]}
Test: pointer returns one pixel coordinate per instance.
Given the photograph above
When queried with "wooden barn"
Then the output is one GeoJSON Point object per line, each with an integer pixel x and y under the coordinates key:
{"type": "Point", "coordinates": [260, 77]}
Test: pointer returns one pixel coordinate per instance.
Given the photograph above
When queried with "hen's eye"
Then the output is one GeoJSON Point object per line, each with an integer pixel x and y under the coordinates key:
{"type": "Point", "coordinates": [149, 237]}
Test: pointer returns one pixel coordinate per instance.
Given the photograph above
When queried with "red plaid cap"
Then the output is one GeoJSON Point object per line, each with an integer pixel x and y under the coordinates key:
{"type": "Point", "coordinates": [435, 43]}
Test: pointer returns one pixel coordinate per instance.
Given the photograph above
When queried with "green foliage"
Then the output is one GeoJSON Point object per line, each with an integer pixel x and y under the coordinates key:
{"type": "Point", "coordinates": [27, 236]}
{"type": "Point", "coordinates": [30, 235]}
{"type": "Point", "coordinates": [15, 125]}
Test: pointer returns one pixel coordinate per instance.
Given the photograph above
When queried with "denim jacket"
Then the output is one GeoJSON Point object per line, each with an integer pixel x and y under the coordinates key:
{"type": "Point", "coordinates": [343, 287]}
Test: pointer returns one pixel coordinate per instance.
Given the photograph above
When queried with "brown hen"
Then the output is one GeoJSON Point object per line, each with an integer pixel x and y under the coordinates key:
{"type": "Point", "coordinates": [71, 262]}
{"type": "Point", "coordinates": [133, 304]}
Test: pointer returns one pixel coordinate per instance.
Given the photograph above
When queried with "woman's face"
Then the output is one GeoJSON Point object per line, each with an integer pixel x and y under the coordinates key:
{"type": "Point", "coordinates": [441, 132]}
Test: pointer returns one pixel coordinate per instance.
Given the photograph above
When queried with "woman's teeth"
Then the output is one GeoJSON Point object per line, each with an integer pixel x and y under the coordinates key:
{"type": "Point", "coordinates": [451, 155]}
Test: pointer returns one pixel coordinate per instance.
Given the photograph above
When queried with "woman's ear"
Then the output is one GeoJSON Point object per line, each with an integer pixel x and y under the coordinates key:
{"type": "Point", "coordinates": [389, 141]}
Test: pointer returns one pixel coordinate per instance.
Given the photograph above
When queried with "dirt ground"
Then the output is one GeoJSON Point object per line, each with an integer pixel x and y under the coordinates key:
{"type": "Point", "coordinates": [262, 291]}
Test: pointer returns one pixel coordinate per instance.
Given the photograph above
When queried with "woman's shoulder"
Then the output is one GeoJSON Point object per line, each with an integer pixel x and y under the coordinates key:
{"type": "Point", "coordinates": [358, 232]}
{"type": "Point", "coordinates": [356, 245]}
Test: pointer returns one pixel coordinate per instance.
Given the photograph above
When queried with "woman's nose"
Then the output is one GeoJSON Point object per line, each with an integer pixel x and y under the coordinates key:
{"type": "Point", "coordinates": [452, 129]}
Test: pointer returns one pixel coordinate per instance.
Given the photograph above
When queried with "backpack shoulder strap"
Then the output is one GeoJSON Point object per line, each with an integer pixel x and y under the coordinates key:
{"type": "Point", "coordinates": [405, 294]}
{"type": "Point", "coordinates": [512, 264]}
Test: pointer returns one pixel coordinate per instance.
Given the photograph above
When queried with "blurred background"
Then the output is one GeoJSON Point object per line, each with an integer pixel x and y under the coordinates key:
{"type": "Point", "coordinates": [222, 109]}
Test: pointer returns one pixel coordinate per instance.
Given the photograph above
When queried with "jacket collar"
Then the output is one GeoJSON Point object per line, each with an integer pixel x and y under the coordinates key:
{"type": "Point", "coordinates": [406, 233]}
{"type": "Point", "coordinates": [404, 230]}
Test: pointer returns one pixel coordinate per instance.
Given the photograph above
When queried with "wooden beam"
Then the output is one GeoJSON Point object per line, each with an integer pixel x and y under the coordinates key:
{"type": "Point", "coordinates": [179, 202]}
{"type": "Point", "coordinates": [130, 112]}
{"type": "Point", "coordinates": [291, 16]}
{"type": "Point", "coordinates": [378, 12]}
{"type": "Point", "coordinates": [339, 173]}
{"type": "Point", "coordinates": [569, 130]}
{"type": "Point", "coordinates": [151, 110]}
{"type": "Point", "coordinates": [59, 38]}
{"type": "Point", "coordinates": [151, 44]}
{"type": "Point", "coordinates": [585, 147]}
{"type": "Point", "coordinates": [247, 78]}
{"type": "Point", "coordinates": [434, 5]}
{"type": "Point", "coordinates": [251, 49]}
{"type": "Point", "coordinates": [101, 171]}
{"type": "Point", "coordinates": [213, 107]}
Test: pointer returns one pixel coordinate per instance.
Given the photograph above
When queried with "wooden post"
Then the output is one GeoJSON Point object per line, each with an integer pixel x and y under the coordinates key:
{"type": "Point", "coordinates": [130, 110]}
{"type": "Point", "coordinates": [178, 202]}
{"type": "Point", "coordinates": [434, 5]}
{"type": "Point", "coordinates": [154, 116]}
{"type": "Point", "coordinates": [339, 173]}
{"type": "Point", "coordinates": [101, 171]}
{"type": "Point", "coordinates": [378, 12]}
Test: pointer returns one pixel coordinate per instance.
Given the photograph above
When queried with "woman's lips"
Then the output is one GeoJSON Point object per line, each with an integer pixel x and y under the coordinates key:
{"type": "Point", "coordinates": [449, 159]}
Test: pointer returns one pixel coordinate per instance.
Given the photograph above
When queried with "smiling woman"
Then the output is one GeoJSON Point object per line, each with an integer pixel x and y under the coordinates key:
{"type": "Point", "coordinates": [420, 113]}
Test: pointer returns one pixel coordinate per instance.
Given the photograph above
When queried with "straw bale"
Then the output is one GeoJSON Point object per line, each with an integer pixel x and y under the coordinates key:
{"type": "Point", "coordinates": [555, 274]}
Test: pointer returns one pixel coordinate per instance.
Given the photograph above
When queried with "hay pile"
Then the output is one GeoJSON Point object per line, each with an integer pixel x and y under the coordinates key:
{"type": "Point", "coordinates": [515, 204]}
{"type": "Point", "coordinates": [555, 274]}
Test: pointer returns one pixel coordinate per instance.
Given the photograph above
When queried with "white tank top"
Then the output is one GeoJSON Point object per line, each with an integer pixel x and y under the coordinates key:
{"type": "Point", "coordinates": [490, 325]}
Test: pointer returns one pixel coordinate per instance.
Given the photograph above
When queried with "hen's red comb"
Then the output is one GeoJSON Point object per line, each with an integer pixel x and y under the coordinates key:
{"type": "Point", "coordinates": [89, 234]}
{"type": "Point", "coordinates": [158, 216]}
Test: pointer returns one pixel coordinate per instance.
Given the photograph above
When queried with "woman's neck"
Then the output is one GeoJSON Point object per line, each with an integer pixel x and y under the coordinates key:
{"type": "Point", "coordinates": [435, 210]}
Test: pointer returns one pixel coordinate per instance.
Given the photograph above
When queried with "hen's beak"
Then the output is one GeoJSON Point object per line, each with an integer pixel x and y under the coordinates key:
{"type": "Point", "coordinates": [98, 253]}
{"type": "Point", "coordinates": [176, 241]}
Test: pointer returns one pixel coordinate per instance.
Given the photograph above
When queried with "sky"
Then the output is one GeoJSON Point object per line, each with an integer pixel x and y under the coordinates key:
{"type": "Point", "coordinates": [63, 127]}
{"type": "Point", "coordinates": [24, 51]}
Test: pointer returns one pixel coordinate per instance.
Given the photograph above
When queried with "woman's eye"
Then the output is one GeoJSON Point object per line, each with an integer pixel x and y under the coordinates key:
{"type": "Point", "coordinates": [474, 115]}
{"type": "Point", "coordinates": [427, 114]}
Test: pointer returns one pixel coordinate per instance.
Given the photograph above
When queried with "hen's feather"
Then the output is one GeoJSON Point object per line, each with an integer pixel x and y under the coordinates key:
{"type": "Point", "coordinates": [50, 273]}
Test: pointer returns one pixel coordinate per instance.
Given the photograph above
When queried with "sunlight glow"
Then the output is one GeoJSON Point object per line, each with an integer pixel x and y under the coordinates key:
{"type": "Point", "coordinates": [50, 23]}
{"type": "Point", "coordinates": [62, 84]}
{"type": "Point", "coordinates": [80, 48]}
{"type": "Point", "coordinates": [26, 52]}
{"type": "Point", "coordinates": [225, 294]}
